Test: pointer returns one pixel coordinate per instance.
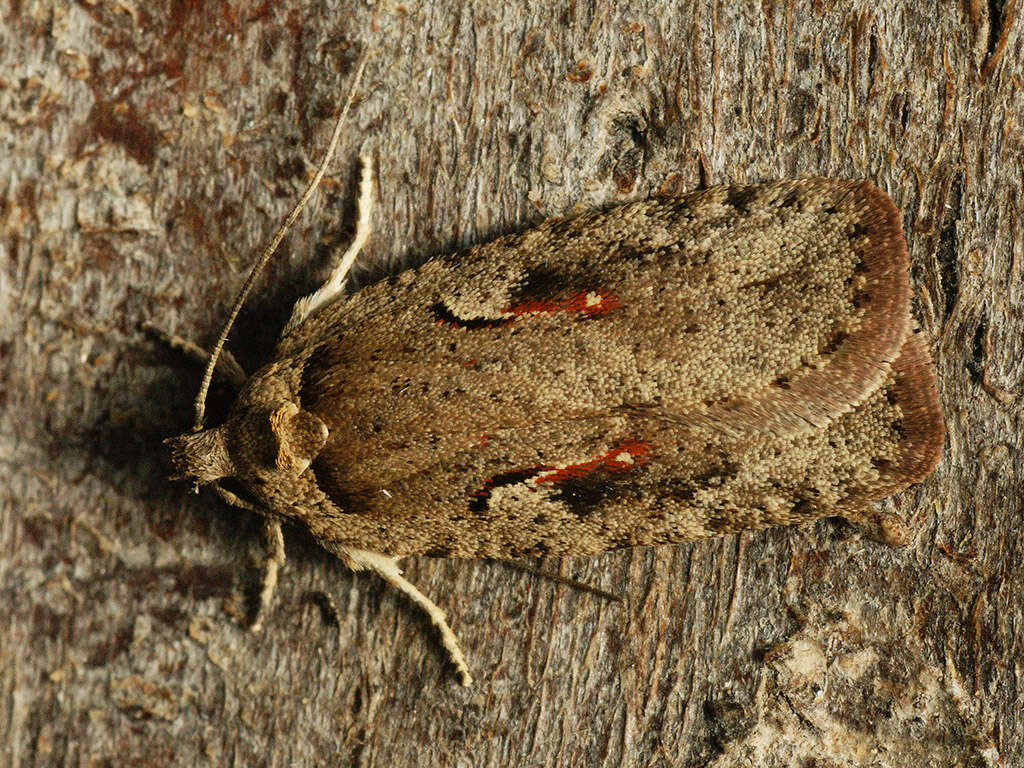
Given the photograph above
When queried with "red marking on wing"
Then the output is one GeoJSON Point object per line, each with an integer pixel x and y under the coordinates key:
{"type": "Point", "coordinates": [589, 303]}
{"type": "Point", "coordinates": [621, 458]}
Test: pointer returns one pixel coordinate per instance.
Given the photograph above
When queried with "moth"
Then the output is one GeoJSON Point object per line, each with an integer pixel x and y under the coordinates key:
{"type": "Point", "coordinates": [662, 371]}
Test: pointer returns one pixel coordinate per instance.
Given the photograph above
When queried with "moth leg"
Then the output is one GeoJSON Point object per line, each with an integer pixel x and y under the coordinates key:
{"type": "Point", "coordinates": [233, 500]}
{"type": "Point", "coordinates": [387, 568]}
{"type": "Point", "coordinates": [878, 525]}
{"type": "Point", "coordinates": [272, 562]}
{"type": "Point", "coordinates": [335, 283]}
{"type": "Point", "coordinates": [227, 370]}
{"type": "Point", "coordinates": [273, 558]}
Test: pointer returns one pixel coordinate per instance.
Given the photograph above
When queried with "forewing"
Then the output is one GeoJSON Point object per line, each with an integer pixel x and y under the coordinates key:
{"type": "Point", "coordinates": [665, 335]}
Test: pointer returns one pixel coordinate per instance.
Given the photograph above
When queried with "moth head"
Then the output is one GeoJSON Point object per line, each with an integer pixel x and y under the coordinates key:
{"type": "Point", "coordinates": [259, 442]}
{"type": "Point", "coordinates": [201, 456]}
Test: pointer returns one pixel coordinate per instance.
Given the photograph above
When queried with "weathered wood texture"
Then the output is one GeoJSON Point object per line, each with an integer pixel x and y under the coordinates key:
{"type": "Point", "coordinates": [149, 148]}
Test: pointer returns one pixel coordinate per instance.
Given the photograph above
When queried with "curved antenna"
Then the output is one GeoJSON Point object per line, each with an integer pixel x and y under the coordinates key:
{"type": "Point", "coordinates": [204, 387]}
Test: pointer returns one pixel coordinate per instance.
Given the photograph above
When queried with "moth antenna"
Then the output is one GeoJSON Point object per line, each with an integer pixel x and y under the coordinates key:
{"type": "Point", "coordinates": [227, 367]}
{"type": "Point", "coordinates": [200, 402]}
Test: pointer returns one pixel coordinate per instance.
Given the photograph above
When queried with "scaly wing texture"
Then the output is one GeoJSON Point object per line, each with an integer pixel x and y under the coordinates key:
{"type": "Point", "coordinates": [662, 371]}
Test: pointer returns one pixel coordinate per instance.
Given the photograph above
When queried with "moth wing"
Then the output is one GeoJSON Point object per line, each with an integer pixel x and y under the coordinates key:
{"type": "Point", "coordinates": [629, 480]}
{"type": "Point", "coordinates": [768, 307]}
{"type": "Point", "coordinates": [734, 316]}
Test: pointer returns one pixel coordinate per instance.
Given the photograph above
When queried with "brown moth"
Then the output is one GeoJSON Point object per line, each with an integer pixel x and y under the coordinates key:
{"type": "Point", "coordinates": [659, 372]}
{"type": "Point", "coordinates": [663, 371]}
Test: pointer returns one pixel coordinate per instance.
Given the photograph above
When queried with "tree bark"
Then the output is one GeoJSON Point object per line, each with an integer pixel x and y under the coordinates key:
{"type": "Point", "coordinates": [149, 150]}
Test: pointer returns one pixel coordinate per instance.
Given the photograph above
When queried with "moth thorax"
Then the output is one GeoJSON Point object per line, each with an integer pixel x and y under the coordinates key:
{"type": "Point", "coordinates": [299, 436]}
{"type": "Point", "coordinates": [200, 456]}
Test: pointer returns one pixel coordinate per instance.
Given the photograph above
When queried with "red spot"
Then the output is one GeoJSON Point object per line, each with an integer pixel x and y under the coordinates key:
{"type": "Point", "coordinates": [483, 439]}
{"type": "Point", "coordinates": [589, 303]}
{"type": "Point", "coordinates": [621, 458]}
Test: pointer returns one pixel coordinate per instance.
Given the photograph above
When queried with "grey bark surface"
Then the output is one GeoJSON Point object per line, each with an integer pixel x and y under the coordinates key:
{"type": "Point", "coordinates": [148, 150]}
